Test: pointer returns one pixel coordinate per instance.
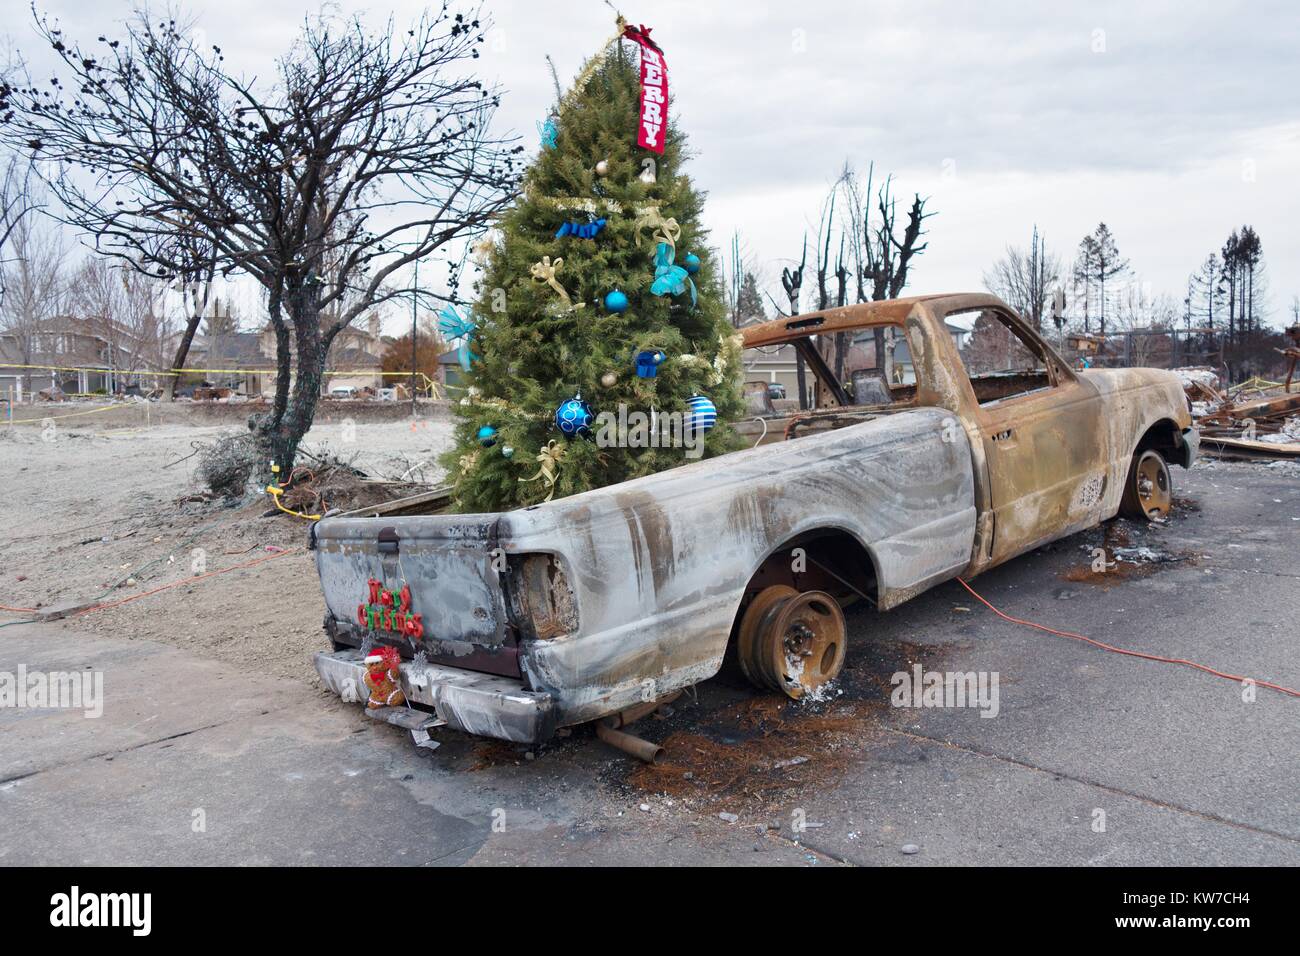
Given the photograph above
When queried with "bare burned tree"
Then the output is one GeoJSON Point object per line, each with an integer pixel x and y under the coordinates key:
{"type": "Point", "coordinates": [197, 255]}
{"type": "Point", "coordinates": [871, 252]}
{"type": "Point", "coordinates": [881, 259]}
{"type": "Point", "coordinates": [32, 276]}
{"type": "Point", "coordinates": [125, 309]}
{"type": "Point", "coordinates": [16, 200]}
{"type": "Point", "coordinates": [1025, 280]}
{"type": "Point", "coordinates": [364, 153]}
{"type": "Point", "coordinates": [887, 258]}
{"type": "Point", "coordinates": [792, 282]}
{"type": "Point", "coordinates": [835, 348]}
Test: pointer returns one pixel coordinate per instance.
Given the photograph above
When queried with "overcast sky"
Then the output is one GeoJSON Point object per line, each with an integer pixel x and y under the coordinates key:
{"type": "Point", "coordinates": [1172, 122]}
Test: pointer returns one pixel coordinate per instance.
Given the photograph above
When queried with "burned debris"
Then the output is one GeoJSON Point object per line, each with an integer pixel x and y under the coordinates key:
{"type": "Point", "coordinates": [1257, 420]}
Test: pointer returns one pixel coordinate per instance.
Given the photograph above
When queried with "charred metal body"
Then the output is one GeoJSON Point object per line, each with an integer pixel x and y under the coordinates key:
{"type": "Point", "coordinates": [581, 608]}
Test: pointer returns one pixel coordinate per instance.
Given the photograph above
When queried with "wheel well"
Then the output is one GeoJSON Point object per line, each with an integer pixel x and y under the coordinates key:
{"type": "Point", "coordinates": [1167, 438]}
{"type": "Point", "coordinates": [830, 560]}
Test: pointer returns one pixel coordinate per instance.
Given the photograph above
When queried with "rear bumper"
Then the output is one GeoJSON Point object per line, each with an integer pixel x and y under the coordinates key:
{"type": "Point", "coordinates": [479, 704]}
{"type": "Point", "coordinates": [1191, 445]}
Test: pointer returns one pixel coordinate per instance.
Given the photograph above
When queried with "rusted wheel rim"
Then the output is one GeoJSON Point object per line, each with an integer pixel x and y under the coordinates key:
{"type": "Point", "coordinates": [1154, 489]}
{"type": "Point", "coordinates": [747, 641]}
{"type": "Point", "coordinates": [807, 639]}
{"type": "Point", "coordinates": [801, 643]}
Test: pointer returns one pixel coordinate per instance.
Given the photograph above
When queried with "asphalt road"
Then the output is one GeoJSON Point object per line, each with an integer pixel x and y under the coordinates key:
{"type": "Point", "coordinates": [1093, 758]}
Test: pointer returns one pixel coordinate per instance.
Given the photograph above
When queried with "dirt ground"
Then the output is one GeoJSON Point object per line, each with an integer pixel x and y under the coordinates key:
{"type": "Point", "coordinates": [103, 514]}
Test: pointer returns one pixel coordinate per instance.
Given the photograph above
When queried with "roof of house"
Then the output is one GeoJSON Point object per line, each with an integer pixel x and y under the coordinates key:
{"type": "Point", "coordinates": [77, 325]}
{"type": "Point", "coordinates": [82, 352]}
{"type": "Point", "coordinates": [353, 358]}
{"type": "Point", "coordinates": [232, 350]}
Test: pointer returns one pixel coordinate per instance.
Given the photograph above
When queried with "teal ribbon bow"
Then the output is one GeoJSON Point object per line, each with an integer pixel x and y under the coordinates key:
{"type": "Point", "coordinates": [548, 131]}
{"type": "Point", "coordinates": [455, 326]}
{"type": "Point", "coordinates": [670, 278]}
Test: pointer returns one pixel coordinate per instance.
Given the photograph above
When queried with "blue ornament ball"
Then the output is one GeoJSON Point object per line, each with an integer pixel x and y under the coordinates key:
{"type": "Point", "coordinates": [616, 301]}
{"type": "Point", "coordinates": [692, 263]}
{"type": "Point", "coordinates": [574, 417]}
{"type": "Point", "coordinates": [487, 436]}
{"type": "Point", "coordinates": [701, 414]}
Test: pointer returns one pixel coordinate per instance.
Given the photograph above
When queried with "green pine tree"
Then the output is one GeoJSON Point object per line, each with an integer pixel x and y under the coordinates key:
{"type": "Point", "coordinates": [749, 304]}
{"type": "Point", "coordinates": [533, 350]}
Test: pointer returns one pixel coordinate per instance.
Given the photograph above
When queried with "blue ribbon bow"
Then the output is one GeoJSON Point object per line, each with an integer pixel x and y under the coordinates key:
{"type": "Point", "coordinates": [648, 362]}
{"type": "Point", "coordinates": [455, 326]}
{"type": "Point", "coordinates": [670, 278]}
{"type": "Point", "coordinates": [587, 230]}
{"type": "Point", "coordinates": [548, 131]}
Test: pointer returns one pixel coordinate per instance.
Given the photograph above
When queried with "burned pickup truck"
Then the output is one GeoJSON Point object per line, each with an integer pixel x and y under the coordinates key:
{"type": "Point", "coordinates": [962, 441]}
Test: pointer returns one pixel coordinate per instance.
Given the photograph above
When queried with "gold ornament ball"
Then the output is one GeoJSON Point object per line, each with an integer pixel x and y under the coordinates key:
{"type": "Point", "coordinates": [609, 380]}
{"type": "Point", "coordinates": [602, 168]}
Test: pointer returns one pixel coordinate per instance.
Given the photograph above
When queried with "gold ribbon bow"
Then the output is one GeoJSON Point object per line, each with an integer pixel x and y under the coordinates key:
{"type": "Point", "coordinates": [545, 271]}
{"type": "Point", "coordinates": [548, 461]}
{"type": "Point", "coordinates": [666, 230]}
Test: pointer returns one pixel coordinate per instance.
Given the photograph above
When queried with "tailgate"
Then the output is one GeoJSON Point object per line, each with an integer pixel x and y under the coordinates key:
{"type": "Point", "coordinates": [445, 560]}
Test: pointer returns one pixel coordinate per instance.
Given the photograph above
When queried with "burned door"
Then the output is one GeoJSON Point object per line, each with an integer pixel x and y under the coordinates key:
{"type": "Point", "coordinates": [1041, 431]}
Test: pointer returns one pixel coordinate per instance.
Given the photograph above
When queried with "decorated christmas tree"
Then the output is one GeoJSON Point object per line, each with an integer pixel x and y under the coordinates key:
{"type": "Point", "coordinates": [598, 349]}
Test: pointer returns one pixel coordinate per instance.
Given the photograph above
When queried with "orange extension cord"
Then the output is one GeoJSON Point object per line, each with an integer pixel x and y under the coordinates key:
{"type": "Point", "coordinates": [1120, 650]}
{"type": "Point", "coordinates": [165, 587]}
{"type": "Point", "coordinates": [189, 580]}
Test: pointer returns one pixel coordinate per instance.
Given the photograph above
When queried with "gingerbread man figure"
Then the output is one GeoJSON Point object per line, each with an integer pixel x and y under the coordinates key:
{"type": "Point", "coordinates": [384, 678]}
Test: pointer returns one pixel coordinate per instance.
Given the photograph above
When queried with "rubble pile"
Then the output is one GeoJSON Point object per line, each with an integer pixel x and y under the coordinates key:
{"type": "Point", "coordinates": [1256, 420]}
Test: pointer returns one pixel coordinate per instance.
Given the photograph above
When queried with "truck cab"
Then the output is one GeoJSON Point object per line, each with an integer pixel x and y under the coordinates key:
{"type": "Point", "coordinates": [1051, 445]}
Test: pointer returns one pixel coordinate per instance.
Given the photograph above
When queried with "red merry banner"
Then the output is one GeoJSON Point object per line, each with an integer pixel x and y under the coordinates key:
{"type": "Point", "coordinates": [654, 90]}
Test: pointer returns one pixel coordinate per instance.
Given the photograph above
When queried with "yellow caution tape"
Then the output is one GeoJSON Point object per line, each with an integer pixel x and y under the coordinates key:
{"type": "Point", "coordinates": [50, 418]}
{"type": "Point", "coordinates": [218, 371]}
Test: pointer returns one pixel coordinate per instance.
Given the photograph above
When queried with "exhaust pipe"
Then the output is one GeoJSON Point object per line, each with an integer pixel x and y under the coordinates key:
{"type": "Point", "coordinates": [636, 746]}
{"type": "Point", "coordinates": [607, 729]}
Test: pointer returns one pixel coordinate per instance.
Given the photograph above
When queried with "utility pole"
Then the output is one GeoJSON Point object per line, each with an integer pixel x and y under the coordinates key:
{"type": "Point", "coordinates": [415, 304]}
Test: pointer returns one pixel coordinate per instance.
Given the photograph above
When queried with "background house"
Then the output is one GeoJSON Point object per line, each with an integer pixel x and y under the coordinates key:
{"type": "Point", "coordinates": [354, 366]}
{"type": "Point", "coordinates": [450, 372]}
{"type": "Point", "coordinates": [233, 360]}
{"type": "Point", "coordinates": [773, 365]}
{"type": "Point", "coordinates": [245, 361]}
{"type": "Point", "coordinates": [92, 356]}
{"type": "Point", "coordinates": [776, 364]}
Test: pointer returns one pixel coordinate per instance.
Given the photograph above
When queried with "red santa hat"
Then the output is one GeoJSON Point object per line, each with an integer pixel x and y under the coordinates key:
{"type": "Point", "coordinates": [384, 654]}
